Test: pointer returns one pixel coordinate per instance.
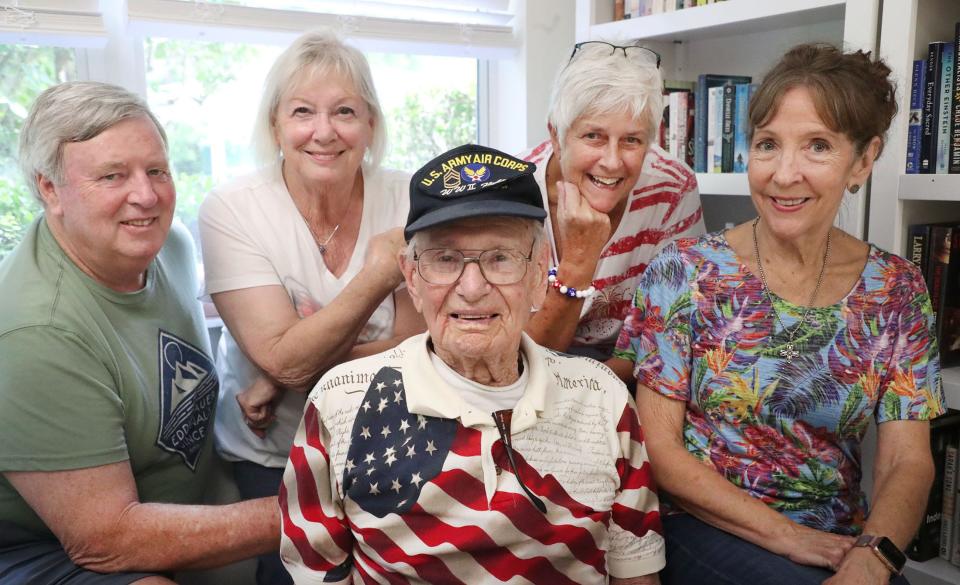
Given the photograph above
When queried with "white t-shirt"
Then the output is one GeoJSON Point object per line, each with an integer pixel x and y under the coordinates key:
{"type": "Point", "coordinates": [253, 235]}
{"type": "Point", "coordinates": [663, 205]}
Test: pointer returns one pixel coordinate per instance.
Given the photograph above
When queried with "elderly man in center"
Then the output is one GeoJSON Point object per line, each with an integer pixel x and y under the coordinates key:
{"type": "Point", "coordinates": [470, 454]}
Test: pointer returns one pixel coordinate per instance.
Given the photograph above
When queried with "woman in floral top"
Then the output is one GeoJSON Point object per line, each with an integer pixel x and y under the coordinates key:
{"type": "Point", "coordinates": [763, 352]}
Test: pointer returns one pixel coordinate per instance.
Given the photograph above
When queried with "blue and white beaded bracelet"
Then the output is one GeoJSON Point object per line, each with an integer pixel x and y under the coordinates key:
{"type": "Point", "coordinates": [568, 291]}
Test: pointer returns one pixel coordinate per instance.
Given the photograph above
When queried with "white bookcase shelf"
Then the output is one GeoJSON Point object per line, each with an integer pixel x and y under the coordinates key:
{"type": "Point", "coordinates": [723, 183]}
{"type": "Point", "coordinates": [930, 188]}
{"type": "Point", "coordinates": [951, 387]}
{"type": "Point", "coordinates": [731, 18]}
{"type": "Point", "coordinates": [933, 572]}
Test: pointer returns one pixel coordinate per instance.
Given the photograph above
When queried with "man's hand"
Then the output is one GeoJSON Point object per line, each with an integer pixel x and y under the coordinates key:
{"type": "Point", "coordinates": [257, 404]}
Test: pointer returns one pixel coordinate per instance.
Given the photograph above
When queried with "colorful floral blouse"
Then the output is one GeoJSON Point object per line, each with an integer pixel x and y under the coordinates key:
{"type": "Point", "coordinates": [786, 431]}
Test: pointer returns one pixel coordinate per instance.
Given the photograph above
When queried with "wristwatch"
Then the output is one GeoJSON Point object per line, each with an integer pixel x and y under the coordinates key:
{"type": "Point", "coordinates": [891, 556]}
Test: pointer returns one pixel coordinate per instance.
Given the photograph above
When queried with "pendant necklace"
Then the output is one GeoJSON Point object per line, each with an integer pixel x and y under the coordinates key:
{"type": "Point", "coordinates": [322, 246]}
{"type": "Point", "coordinates": [789, 352]}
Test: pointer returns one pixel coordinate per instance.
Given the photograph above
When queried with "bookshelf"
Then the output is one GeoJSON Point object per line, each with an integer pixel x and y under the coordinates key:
{"type": "Point", "coordinates": [745, 37]}
{"type": "Point", "coordinates": [736, 37]}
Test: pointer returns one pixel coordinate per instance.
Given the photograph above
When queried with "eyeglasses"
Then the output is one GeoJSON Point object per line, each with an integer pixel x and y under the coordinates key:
{"type": "Point", "coordinates": [633, 52]}
{"type": "Point", "coordinates": [501, 418]}
{"type": "Point", "coordinates": [445, 266]}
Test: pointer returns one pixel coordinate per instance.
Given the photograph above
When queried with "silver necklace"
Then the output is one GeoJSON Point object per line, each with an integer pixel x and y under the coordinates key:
{"type": "Point", "coordinates": [788, 351]}
{"type": "Point", "coordinates": [323, 246]}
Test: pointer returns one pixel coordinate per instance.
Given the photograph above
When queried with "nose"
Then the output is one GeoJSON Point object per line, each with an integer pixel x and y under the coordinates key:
{"type": "Point", "coordinates": [611, 158]}
{"type": "Point", "coordinates": [787, 169]}
{"type": "Point", "coordinates": [323, 129]}
{"type": "Point", "coordinates": [472, 285]}
{"type": "Point", "coordinates": [142, 190]}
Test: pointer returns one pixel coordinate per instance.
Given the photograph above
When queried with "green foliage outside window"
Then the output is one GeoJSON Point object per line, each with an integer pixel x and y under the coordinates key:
{"type": "Point", "coordinates": [27, 72]}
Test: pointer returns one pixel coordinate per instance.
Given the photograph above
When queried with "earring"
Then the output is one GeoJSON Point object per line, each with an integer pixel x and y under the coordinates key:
{"type": "Point", "coordinates": [854, 188]}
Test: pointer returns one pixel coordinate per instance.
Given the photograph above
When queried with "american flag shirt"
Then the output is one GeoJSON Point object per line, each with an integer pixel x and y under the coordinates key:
{"type": "Point", "coordinates": [394, 478]}
{"type": "Point", "coordinates": [663, 205]}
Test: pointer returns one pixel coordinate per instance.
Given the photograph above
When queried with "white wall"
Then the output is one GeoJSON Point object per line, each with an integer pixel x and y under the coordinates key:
{"type": "Point", "coordinates": [520, 87]}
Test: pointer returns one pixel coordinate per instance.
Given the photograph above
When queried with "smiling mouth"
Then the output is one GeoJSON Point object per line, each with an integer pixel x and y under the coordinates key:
{"type": "Point", "coordinates": [604, 182]}
{"type": "Point", "coordinates": [477, 318]}
{"type": "Point", "coordinates": [139, 222]}
{"type": "Point", "coordinates": [790, 202]}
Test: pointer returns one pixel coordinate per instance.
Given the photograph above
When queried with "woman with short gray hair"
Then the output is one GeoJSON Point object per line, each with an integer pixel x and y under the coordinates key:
{"type": "Point", "coordinates": [614, 196]}
{"type": "Point", "coordinates": [300, 257]}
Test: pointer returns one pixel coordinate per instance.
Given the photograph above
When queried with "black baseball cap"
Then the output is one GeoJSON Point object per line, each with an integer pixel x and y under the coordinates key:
{"type": "Point", "coordinates": [472, 181]}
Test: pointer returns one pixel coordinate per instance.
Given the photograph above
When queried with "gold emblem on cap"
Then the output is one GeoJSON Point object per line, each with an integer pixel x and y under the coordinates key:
{"type": "Point", "coordinates": [451, 179]}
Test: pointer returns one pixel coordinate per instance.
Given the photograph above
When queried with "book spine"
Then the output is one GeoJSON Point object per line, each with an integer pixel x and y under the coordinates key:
{"type": "Point", "coordinates": [726, 145]}
{"type": "Point", "coordinates": [700, 126]}
{"type": "Point", "coordinates": [714, 124]}
{"type": "Point", "coordinates": [941, 239]}
{"type": "Point", "coordinates": [954, 546]}
{"type": "Point", "coordinates": [741, 120]}
{"type": "Point", "coordinates": [691, 113]}
{"type": "Point", "coordinates": [918, 238]}
{"type": "Point", "coordinates": [944, 113]}
{"type": "Point", "coordinates": [914, 128]}
{"type": "Point", "coordinates": [618, 9]}
{"type": "Point", "coordinates": [949, 499]}
{"type": "Point", "coordinates": [954, 162]}
{"type": "Point", "coordinates": [672, 141]}
{"type": "Point", "coordinates": [931, 99]}
{"type": "Point", "coordinates": [682, 130]}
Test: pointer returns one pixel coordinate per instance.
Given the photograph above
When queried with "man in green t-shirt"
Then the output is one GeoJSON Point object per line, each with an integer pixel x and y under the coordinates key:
{"type": "Point", "coordinates": [107, 389]}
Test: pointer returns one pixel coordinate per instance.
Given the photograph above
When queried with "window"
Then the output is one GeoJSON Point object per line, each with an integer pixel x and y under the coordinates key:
{"type": "Point", "coordinates": [28, 70]}
{"type": "Point", "coordinates": [206, 96]}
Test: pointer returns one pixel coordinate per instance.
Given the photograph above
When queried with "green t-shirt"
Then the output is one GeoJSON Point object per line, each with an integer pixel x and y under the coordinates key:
{"type": "Point", "coordinates": [90, 376]}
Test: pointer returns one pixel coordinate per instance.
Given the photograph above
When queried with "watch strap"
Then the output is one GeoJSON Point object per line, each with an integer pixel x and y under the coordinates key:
{"type": "Point", "coordinates": [872, 542]}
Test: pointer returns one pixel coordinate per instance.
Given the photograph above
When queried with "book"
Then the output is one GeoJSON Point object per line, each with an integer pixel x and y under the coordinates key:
{"type": "Point", "coordinates": [944, 431]}
{"type": "Point", "coordinates": [741, 121]}
{"type": "Point", "coordinates": [700, 126]}
{"type": "Point", "coordinates": [943, 282]}
{"type": "Point", "coordinates": [931, 101]}
{"type": "Point", "coordinates": [944, 113]}
{"type": "Point", "coordinates": [618, 12]}
{"type": "Point", "coordinates": [726, 138]}
{"type": "Point", "coordinates": [938, 258]}
{"type": "Point", "coordinates": [917, 88]}
{"type": "Point", "coordinates": [714, 122]}
{"type": "Point", "coordinates": [953, 164]}
{"type": "Point", "coordinates": [954, 544]}
{"type": "Point", "coordinates": [918, 238]}
{"type": "Point", "coordinates": [949, 501]}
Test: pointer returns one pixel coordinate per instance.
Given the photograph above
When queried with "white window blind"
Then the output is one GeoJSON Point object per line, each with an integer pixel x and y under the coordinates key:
{"type": "Point", "coordinates": [482, 29]}
{"type": "Point", "coordinates": [65, 23]}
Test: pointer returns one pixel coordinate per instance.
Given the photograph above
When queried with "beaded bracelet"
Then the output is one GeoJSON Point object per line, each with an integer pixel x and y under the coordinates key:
{"type": "Point", "coordinates": [568, 290]}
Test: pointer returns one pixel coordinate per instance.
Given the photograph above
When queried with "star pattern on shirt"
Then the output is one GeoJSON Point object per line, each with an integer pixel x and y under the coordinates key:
{"type": "Point", "coordinates": [393, 453]}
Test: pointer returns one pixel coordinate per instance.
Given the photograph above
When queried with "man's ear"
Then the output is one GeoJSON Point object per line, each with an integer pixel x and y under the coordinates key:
{"type": "Point", "coordinates": [408, 266]}
{"type": "Point", "coordinates": [48, 195]}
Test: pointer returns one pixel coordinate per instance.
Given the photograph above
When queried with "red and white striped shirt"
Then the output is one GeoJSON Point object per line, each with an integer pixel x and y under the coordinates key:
{"type": "Point", "coordinates": [394, 478]}
{"type": "Point", "coordinates": [664, 205]}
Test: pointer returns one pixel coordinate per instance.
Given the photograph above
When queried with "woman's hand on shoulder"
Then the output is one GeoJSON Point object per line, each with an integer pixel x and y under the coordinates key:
{"type": "Point", "coordinates": [583, 230]}
{"type": "Point", "coordinates": [381, 255]}
{"type": "Point", "coordinates": [808, 546]}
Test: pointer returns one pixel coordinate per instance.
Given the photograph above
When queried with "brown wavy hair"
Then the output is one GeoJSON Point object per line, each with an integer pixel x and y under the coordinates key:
{"type": "Point", "coordinates": [852, 92]}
